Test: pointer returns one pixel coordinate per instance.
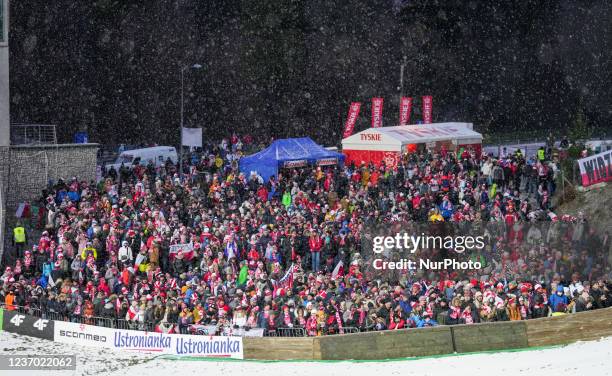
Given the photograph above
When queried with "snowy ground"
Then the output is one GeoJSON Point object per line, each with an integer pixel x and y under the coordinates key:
{"type": "Point", "coordinates": [585, 358]}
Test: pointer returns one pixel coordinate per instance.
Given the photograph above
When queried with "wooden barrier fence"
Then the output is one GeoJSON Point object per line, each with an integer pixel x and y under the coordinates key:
{"type": "Point", "coordinates": [439, 340]}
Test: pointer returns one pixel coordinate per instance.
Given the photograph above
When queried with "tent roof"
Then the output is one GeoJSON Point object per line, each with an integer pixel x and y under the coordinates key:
{"type": "Point", "coordinates": [413, 134]}
{"type": "Point", "coordinates": [267, 161]}
{"type": "Point", "coordinates": [292, 149]}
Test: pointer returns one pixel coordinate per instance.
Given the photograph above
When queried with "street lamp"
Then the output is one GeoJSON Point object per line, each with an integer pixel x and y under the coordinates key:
{"type": "Point", "coordinates": [194, 66]}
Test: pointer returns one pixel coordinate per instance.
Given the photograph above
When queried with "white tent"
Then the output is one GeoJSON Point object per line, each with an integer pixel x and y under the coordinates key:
{"type": "Point", "coordinates": [393, 138]}
{"type": "Point", "coordinates": [387, 143]}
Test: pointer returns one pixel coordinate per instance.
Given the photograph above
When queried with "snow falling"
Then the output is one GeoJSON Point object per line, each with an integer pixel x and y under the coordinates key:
{"type": "Point", "coordinates": [291, 68]}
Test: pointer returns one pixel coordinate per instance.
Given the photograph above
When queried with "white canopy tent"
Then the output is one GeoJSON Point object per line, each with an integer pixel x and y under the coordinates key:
{"type": "Point", "coordinates": [393, 138]}
{"type": "Point", "coordinates": [387, 143]}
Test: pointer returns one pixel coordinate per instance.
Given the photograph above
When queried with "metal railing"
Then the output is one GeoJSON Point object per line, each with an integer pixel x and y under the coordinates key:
{"type": "Point", "coordinates": [117, 323]}
{"type": "Point", "coordinates": [33, 134]}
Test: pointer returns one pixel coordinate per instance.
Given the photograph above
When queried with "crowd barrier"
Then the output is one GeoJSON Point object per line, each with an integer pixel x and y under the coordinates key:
{"type": "Point", "coordinates": [373, 345]}
{"type": "Point", "coordinates": [438, 340]}
{"type": "Point", "coordinates": [106, 322]}
{"type": "Point", "coordinates": [83, 333]}
{"type": "Point", "coordinates": [197, 329]}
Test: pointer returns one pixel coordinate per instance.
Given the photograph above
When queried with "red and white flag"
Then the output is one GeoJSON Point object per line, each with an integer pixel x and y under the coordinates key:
{"type": "Point", "coordinates": [186, 250]}
{"type": "Point", "coordinates": [377, 112]}
{"type": "Point", "coordinates": [405, 109]}
{"type": "Point", "coordinates": [284, 283]}
{"type": "Point", "coordinates": [427, 109]}
{"type": "Point", "coordinates": [338, 271]}
{"type": "Point", "coordinates": [351, 119]}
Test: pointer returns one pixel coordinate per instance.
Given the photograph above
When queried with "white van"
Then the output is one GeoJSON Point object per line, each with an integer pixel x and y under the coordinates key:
{"type": "Point", "coordinates": [158, 155]}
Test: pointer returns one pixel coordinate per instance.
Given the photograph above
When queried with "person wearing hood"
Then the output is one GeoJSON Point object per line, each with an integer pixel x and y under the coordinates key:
{"type": "Point", "coordinates": [425, 320]}
{"type": "Point", "coordinates": [89, 250]}
{"type": "Point", "coordinates": [125, 253]}
{"type": "Point", "coordinates": [103, 286]}
{"type": "Point", "coordinates": [108, 309]}
{"type": "Point", "coordinates": [557, 298]}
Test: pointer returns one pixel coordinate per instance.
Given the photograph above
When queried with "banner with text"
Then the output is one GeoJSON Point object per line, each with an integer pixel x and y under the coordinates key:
{"type": "Point", "coordinates": [427, 109]}
{"type": "Point", "coordinates": [405, 109]}
{"type": "Point", "coordinates": [596, 168]}
{"type": "Point", "coordinates": [377, 112]}
{"type": "Point", "coordinates": [149, 342]}
{"type": "Point", "coordinates": [185, 249]}
{"type": "Point", "coordinates": [351, 119]}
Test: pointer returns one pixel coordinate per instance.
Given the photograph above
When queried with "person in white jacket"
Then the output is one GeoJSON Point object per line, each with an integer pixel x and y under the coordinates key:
{"type": "Point", "coordinates": [485, 170]}
{"type": "Point", "coordinates": [125, 253]}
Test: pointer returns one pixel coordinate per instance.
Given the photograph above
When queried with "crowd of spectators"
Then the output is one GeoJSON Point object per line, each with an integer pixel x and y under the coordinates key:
{"type": "Point", "coordinates": [203, 244]}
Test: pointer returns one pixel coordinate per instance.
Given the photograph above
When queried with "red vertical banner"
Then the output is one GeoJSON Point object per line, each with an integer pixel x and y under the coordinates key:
{"type": "Point", "coordinates": [405, 109]}
{"type": "Point", "coordinates": [351, 119]}
{"type": "Point", "coordinates": [427, 105]}
{"type": "Point", "coordinates": [377, 111]}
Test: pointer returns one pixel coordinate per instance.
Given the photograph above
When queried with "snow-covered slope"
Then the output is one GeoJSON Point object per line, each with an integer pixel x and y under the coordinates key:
{"type": "Point", "coordinates": [584, 358]}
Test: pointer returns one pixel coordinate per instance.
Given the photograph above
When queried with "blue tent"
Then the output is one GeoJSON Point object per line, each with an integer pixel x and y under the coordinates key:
{"type": "Point", "coordinates": [291, 152]}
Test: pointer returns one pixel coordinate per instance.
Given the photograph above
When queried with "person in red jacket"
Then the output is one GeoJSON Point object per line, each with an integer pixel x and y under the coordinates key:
{"type": "Point", "coordinates": [315, 244]}
{"type": "Point", "coordinates": [396, 320]}
{"type": "Point", "coordinates": [103, 286]}
{"type": "Point", "coordinates": [262, 193]}
{"type": "Point", "coordinates": [253, 257]}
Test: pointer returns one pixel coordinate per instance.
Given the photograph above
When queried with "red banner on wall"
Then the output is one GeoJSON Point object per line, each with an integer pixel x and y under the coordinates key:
{"type": "Point", "coordinates": [596, 168]}
{"type": "Point", "coordinates": [351, 119]}
{"type": "Point", "coordinates": [377, 111]}
{"type": "Point", "coordinates": [390, 158]}
{"type": "Point", "coordinates": [427, 108]}
{"type": "Point", "coordinates": [405, 109]}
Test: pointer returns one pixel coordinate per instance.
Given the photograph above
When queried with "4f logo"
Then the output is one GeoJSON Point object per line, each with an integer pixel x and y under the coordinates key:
{"type": "Point", "coordinates": [41, 324]}
{"type": "Point", "coordinates": [17, 320]}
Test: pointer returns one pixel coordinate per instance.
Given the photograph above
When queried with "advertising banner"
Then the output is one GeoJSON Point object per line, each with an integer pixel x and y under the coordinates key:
{"type": "Point", "coordinates": [377, 157]}
{"type": "Point", "coordinates": [20, 323]}
{"type": "Point", "coordinates": [351, 119]}
{"type": "Point", "coordinates": [377, 111]}
{"type": "Point", "coordinates": [83, 335]}
{"type": "Point", "coordinates": [327, 161]}
{"type": "Point", "coordinates": [199, 329]}
{"type": "Point", "coordinates": [242, 332]}
{"type": "Point", "coordinates": [427, 109]}
{"type": "Point", "coordinates": [405, 109]}
{"type": "Point", "coordinates": [149, 342]}
{"type": "Point", "coordinates": [596, 168]}
{"type": "Point", "coordinates": [295, 164]}
{"type": "Point", "coordinates": [191, 137]}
